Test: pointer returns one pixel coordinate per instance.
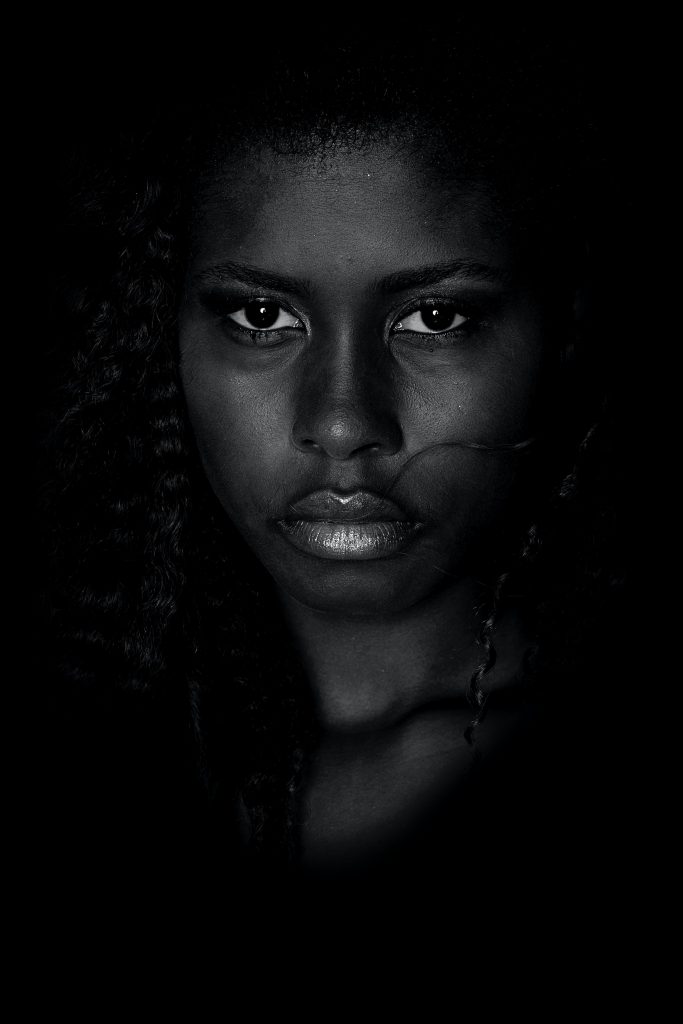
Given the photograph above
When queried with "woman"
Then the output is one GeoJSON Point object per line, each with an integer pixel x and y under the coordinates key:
{"type": "Point", "coordinates": [336, 545]}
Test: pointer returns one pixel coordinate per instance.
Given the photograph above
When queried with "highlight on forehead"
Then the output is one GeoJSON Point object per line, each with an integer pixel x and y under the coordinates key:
{"type": "Point", "coordinates": [377, 175]}
{"type": "Point", "coordinates": [346, 156]}
{"type": "Point", "coordinates": [456, 160]}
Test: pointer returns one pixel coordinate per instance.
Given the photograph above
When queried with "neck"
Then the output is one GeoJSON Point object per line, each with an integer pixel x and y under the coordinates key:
{"type": "Point", "coordinates": [369, 673]}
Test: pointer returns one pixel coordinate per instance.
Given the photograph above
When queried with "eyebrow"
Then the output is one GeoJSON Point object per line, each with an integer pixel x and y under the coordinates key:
{"type": "Point", "coordinates": [403, 280]}
{"type": "Point", "coordinates": [255, 277]}
{"type": "Point", "coordinates": [470, 269]}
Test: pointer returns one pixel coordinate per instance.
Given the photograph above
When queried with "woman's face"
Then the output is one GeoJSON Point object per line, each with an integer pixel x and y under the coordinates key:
{"type": "Point", "coordinates": [346, 317]}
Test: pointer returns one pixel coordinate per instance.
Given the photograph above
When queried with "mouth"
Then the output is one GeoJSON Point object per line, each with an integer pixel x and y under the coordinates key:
{"type": "Point", "coordinates": [354, 526]}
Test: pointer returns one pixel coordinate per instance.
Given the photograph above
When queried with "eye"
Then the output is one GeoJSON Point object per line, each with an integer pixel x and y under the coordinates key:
{"type": "Point", "coordinates": [264, 315]}
{"type": "Point", "coordinates": [436, 318]}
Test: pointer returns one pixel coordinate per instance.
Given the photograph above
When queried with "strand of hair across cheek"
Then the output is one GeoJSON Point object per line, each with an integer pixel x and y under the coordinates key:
{"type": "Point", "coordinates": [474, 692]}
{"type": "Point", "coordinates": [519, 563]}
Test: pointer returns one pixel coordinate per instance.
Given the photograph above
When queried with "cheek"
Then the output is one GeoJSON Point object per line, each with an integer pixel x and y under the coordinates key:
{"type": "Point", "coordinates": [497, 410]}
{"type": "Point", "coordinates": [489, 405]}
{"type": "Point", "coordinates": [491, 402]}
{"type": "Point", "coordinates": [240, 426]}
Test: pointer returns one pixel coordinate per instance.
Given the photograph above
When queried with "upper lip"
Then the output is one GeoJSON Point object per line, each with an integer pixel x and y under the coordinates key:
{"type": "Point", "coordinates": [346, 506]}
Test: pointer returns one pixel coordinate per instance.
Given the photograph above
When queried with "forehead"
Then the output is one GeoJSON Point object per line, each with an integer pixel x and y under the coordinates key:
{"type": "Point", "coordinates": [358, 208]}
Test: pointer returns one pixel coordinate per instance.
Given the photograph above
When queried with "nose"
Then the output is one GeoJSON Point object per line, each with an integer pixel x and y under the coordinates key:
{"type": "Point", "coordinates": [346, 410]}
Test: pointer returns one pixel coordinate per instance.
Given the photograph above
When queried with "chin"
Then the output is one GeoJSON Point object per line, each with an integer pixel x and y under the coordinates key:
{"type": "Point", "coordinates": [360, 589]}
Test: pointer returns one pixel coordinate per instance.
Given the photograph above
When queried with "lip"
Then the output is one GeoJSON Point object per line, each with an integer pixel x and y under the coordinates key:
{"type": "Point", "coordinates": [346, 507]}
{"type": "Point", "coordinates": [356, 525]}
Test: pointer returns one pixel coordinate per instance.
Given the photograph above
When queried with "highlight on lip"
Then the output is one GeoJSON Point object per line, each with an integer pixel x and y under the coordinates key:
{"type": "Point", "coordinates": [344, 506]}
{"type": "Point", "coordinates": [349, 540]}
{"type": "Point", "coordinates": [355, 525]}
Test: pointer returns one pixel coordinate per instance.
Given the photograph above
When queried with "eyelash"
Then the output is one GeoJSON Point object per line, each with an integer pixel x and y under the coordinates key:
{"type": "Point", "coordinates": [223, 306]}
{"type": "Point", "coordinates": [472, 314]}
{"type": "Point", "coordinates": [473, 318]}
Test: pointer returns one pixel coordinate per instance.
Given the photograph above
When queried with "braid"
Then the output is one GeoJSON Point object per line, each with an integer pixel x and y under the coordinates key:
{"type": "Point", "coordinates": [532, 545]}
{"type": "Point", "coordinates": [475, 694]}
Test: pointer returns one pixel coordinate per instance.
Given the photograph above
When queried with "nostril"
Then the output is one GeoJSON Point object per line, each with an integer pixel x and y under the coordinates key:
{"type": "Point", "coordinates": [343, 432]}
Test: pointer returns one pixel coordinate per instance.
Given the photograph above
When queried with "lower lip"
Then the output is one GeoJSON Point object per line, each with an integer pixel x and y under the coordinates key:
{"type": "Point", "coordinates": [349, 541]}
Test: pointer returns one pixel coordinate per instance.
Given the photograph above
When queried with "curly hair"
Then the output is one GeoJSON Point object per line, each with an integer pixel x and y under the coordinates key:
{"type": "Point", "coordinates": [151, 589]}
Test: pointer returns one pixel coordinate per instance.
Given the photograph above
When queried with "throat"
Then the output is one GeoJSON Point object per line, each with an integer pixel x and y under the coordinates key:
{"type": "Point", "coordinates": [391, 702]}
{"type": "Point", "coordinates": [370, 674]}
{"type": "Point", "coordinates": [370, 792]}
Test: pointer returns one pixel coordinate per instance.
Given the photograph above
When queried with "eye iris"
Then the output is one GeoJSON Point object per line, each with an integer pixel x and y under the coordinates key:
{"type": "Point", "coordinates": [437, 318]}
{"type": "Point", "coordinates": [261, 315]}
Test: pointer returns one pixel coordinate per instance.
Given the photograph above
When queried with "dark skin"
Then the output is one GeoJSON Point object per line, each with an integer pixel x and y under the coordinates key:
{"type": "Point", "coordinates": [345, 387]}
